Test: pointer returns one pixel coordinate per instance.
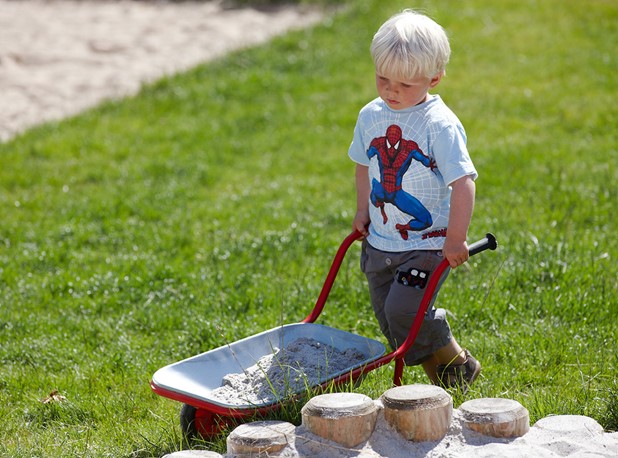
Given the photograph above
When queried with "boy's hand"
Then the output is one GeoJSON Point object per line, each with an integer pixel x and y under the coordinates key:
{"type": "Point", "coordinates": [360, 223]}
{"type": "Point", "coordinates": [456, 252]}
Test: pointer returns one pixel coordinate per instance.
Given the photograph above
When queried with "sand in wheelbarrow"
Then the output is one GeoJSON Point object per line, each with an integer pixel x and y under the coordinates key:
{"type": "Point", "coordinates": [300, 365]}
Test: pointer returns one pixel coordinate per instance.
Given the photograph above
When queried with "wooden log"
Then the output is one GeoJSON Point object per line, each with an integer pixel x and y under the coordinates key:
{"type": "Point", "coordinates": [578, 426]}
{"type": "Point", "coordinates": [418, 412]}
{"type": "Point", "coordinates": [495, 417]}
{"type": "Point", "coordinates": [345, 418]}
{"type": "Point", "coordinates": [260, 439]}
{"type": "Point", "coordinates": [193, 454]}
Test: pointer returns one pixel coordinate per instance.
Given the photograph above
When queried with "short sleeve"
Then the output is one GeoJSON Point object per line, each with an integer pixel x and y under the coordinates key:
{"type": "Point", "coordinates": [451, 154]}
{"type": "Point", "coordinates": [358, 150]}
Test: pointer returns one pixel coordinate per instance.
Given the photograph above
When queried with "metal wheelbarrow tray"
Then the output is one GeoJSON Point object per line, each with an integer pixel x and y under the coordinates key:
{"type": "Point", "coordinates": [193, 380]}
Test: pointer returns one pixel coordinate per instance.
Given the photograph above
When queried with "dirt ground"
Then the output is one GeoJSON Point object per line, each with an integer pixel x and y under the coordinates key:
{"type": "Point", "coordinates": [59, 57]}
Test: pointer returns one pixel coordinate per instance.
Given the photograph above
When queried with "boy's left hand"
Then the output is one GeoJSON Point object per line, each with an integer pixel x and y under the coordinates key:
{"type": "Point", "coordinates": [456, 252]}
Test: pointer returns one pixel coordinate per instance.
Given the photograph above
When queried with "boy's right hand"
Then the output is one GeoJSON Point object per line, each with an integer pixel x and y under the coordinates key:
{"type": "Point", "coordinates": [361, 223]}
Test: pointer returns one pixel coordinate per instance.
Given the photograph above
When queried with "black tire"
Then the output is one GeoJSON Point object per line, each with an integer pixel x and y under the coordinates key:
{"type": "Point", "coordinates": [187, 421]}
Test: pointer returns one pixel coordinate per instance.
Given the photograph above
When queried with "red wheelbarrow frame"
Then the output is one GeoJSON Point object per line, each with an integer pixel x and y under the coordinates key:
{"type": "Point", "coordinates": [489, 242]}
{"type": "Point", "coordinates": [211, 418]}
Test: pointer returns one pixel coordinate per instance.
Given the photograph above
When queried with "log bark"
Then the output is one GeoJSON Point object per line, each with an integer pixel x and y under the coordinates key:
{"type": "Point", "coordinates": [496, 417]}
{"type": "Point", "coordinates": [345, 418]}
{"type": "Point", "coordinates": [193, 454]}
{"type": "Point", "coordinates": [260, 438]}
{"type": "Point", "coordinates": [573, 426]}
{"type": "Point", "coordinates": [418, 412]}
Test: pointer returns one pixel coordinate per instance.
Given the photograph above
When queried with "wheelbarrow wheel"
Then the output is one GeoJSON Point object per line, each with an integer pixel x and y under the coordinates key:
{"type": "Point", "coordinates": [196, 422]}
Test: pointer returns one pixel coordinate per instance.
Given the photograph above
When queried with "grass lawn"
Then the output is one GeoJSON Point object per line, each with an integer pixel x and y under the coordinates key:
{"type": "Point", "coordinates": [208, 208]}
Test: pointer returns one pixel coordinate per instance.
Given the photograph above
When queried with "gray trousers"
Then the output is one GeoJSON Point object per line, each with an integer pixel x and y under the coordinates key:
{"type": "Point", "coordinates": [397, 284]}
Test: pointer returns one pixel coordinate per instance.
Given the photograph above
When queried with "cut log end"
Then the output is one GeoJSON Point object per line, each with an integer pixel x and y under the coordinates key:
{"type": "Point", "coordinates": [570, 425]}
{"type": "Point", "coordinates": [418, 412]}
{"type": "Point", "coordinates": [260, 437]}
{"type": "Point", "coordinates": [496, 417]}
{"type": "Point", "coordinates": [193, 454]}
{"type": "Point", "coordinates": [345, 418]}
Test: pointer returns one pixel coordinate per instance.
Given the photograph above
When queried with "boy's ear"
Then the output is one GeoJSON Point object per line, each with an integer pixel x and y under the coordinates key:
{"type": "Point", "coordinates": [436, 80]}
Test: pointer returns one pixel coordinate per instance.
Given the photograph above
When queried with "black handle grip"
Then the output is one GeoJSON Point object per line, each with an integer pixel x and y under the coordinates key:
{"type": "Point", "coordinates": [488, 243]}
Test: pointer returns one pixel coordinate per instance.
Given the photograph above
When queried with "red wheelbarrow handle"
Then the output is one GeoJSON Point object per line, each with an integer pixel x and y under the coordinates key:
{"type": "Point", "coordinates": [488, 243]}
{"type": "Point", "coordinates": [332, 274]}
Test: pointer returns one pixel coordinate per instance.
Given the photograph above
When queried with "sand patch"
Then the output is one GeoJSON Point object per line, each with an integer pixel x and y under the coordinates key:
{"type": "Point", "coordinates": [300, 365]}
{"type": "Point", "coordinates": [59, 57]}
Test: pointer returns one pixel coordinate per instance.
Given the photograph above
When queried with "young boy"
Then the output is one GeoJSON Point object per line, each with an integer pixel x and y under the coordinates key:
{"type": "Point", "coordinates": [414, 179]}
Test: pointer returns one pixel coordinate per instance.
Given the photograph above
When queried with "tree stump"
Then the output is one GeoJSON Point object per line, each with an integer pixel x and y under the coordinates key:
{"type": "Point", "coordinates": [495, 417]}
{"type": "Point", "coordinates": [193, 454]}
{"type": "Point", "coordinates": [578, 426]}
{"type": "Point", "coordinates": [418, 412]}
{"type": "Point", "coordinates": [260, 438]}
{"type": "Point", "coordinates": [345, 418]}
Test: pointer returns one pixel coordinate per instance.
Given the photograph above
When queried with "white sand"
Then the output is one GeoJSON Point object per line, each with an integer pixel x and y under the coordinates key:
{"type": "Point", "coordinates": [303, 360]}
{"type": "Point", "coordinates": [59, 57]}
{"type": "Point", "coordinates": [300, 364]}
{"type": "Point", "coordinates": [557, 436]}
{"type": "Point", "coordinates": [552, 437]}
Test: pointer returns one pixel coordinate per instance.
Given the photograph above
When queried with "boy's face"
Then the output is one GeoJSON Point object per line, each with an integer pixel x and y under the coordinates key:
{"type": "Point", "coordinates": [399, 94]}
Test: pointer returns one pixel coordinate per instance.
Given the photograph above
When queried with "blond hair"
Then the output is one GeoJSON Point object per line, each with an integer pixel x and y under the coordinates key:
{"type": "Point", "coordinates": [410, 45]}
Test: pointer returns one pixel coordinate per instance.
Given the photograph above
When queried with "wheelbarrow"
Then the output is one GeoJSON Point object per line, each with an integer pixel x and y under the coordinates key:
{"type": "Point", "coordinates": [193, 381]}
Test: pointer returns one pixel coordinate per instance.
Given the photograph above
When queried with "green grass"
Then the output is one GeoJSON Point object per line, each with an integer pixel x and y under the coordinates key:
{"type": "Point", "coordinates": [208, 208]}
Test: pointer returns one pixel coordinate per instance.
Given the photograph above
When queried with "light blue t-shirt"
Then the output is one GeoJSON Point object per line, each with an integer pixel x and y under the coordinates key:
{"type": "Point", "coordinates": [413, 155]}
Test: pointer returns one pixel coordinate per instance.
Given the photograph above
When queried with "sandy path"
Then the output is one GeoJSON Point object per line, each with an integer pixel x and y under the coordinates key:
{"type": "Point", "coordinates": [58, 57]}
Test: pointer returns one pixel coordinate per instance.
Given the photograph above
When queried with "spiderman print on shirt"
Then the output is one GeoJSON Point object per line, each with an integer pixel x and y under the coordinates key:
{"type": "Point", "coordinates": [395, 155]}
